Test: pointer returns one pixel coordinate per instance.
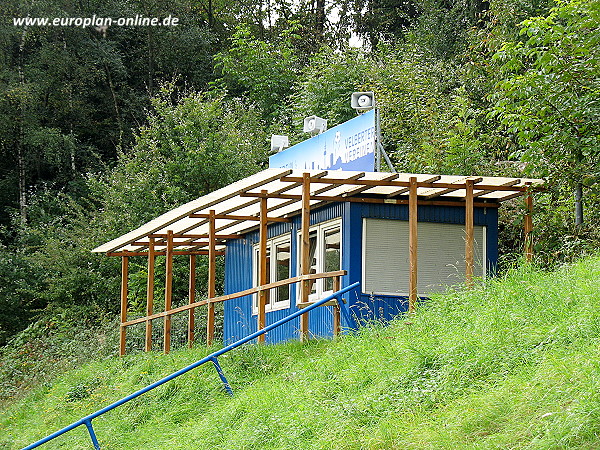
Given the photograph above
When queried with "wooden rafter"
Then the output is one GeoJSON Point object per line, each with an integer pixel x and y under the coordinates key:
{"type": "Point", "coordinates": [404, 190]}
{"type": "Point", "coordinates": [461, 184]}
{"type": "Point", "coordinates": [244, 205]}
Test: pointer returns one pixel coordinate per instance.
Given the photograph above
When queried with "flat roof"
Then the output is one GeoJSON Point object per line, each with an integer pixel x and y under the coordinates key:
{"type": "Point", "coordinates": [237, 206]}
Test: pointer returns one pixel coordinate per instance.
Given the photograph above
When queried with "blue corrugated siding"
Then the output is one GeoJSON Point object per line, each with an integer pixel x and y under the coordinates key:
{"type": "Point", "coordinates": [240, 322]}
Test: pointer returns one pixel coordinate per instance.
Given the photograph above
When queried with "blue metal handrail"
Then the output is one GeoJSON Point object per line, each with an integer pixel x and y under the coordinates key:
{"type": "Point", "coordinates": [87, 421]}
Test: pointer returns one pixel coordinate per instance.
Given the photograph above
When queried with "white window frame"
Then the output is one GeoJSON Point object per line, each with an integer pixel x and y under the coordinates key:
{"type": "Point", "coordinates": [321, 229]}
{"type": "Point", "coordinates": [274, 303]}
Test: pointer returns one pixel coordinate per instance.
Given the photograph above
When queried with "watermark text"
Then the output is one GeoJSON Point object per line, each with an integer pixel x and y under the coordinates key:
{"type": "Point", "coordinates": [95, 21]}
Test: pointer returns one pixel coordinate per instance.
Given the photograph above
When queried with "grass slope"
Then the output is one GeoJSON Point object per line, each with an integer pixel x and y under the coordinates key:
{"type": "Point", "coordinates": [514, 364]}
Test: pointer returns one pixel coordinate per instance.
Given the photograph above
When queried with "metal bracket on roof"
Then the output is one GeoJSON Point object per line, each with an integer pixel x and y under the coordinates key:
{"type": "Point", "coordinates": [387, 158]}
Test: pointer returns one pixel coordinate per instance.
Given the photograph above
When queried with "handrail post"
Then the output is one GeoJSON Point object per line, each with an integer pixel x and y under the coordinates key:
{"type": "Point", "coordinates": [88, 424]}
{"type": "Point", "coordinates": [226, 384]}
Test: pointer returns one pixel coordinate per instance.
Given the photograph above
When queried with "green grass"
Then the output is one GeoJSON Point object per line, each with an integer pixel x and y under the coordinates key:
{"type": "Point", "coordinates": [512, 364]}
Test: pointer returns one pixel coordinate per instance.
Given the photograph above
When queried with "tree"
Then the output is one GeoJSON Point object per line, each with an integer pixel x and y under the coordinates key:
{"type": "Point", "coordinates": [264, 71]}
{"type": "Point", "coordinates": [549, 97]}
{"type": "Point", "coordinates": [193, 144]}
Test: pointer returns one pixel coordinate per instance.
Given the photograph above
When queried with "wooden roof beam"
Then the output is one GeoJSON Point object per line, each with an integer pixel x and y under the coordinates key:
{"type": "Point", "coordinates": [242, 218]}
{"type": "Point", "coordinates": [325, 198]}
{"type": "Point", "coordinates": [246, 204]}
{"type": "Point", "coordinates": [508, 183]}
{"type": "Point", "coordinates": [448, 190]}
{"type": "Point", "coordinates": [316, 192]}
{"type": "Point", "coordinates": [406, 189]}
{"type": "Point", "coordinates": [195, 236]}
{"type": "Point", "coordinates": [176, 252]}
{"type": "Point", "coordinates": [359, 182]}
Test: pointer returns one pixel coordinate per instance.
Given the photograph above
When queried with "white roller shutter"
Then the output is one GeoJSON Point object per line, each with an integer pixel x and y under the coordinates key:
{"type": "Point", "coordinates": [441, 255]}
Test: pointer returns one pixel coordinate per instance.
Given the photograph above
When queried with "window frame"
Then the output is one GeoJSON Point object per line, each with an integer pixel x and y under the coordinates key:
{"type": "Point", "coordinates": [274, 303]}
{"type": "Point", "coordinates": [321, 229]}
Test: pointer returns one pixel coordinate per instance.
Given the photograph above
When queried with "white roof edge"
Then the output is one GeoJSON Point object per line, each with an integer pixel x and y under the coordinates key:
{"type": "Point", "coordinates": [182, 211]}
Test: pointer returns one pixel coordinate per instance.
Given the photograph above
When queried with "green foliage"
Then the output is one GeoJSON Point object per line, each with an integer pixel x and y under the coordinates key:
{"type": "Point", "coordinates": [549, 96]}
{"type": "Point", "coordinates": [191, 146]}
{"type": "Point", "coordinates": [512, 363]}
{"type": "Point", "coordinates": [325, 86]}
{"type": "Point", "coordinates": [17, 299]}
{"type": "Point", "coordinates": [263, 70]}
{"type": "Point", "coordinates": [63, 339]}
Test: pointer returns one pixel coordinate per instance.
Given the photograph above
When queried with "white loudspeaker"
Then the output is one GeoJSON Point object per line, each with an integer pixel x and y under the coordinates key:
{"type": "Point", "coordinates": [278, 143]}
{"type": "Point", "coordinates": [315, 125]}
{"type": "Point", "coordinates": [362, 101]}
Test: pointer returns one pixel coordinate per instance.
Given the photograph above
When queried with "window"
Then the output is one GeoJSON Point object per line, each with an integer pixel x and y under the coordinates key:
{"type": "Point", "coordinates": [278, 268]}
{"type": "Point", "coordinates": [325, 241]}
{"type": "Point", "coordinates": [440, 249]}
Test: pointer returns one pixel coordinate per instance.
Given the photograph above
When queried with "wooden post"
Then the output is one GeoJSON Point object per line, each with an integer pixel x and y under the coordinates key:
{"type": "Point", "coordinates": [529, 226]}
{"type": "Point", "coordinates": [469, 213]}
{"type": "Point", "coordinates": [124, 282]}
{"type": "Point", "coordinates": [412, 244]}
{"type": "Point", "coordinates": [212, 275]}
{"type": "Point", "coordinates": [168, 291]}
{"type": "Point", "coordinates": [150, 294]}
{"type": "Point", "coordinates": [262, 266]}
{"type": "Point", "coordinates": [336, 309]}
{"type": "Point", "coordinates": [192, 299]}
{"type": "Point", "coordinates": [305, 252]}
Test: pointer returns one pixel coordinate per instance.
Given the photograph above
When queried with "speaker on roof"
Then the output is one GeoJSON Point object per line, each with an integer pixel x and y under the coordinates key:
{"type": "Point", "coordinates": [315, 125]}
{"type": "Point", "coordinates": [362, 101]}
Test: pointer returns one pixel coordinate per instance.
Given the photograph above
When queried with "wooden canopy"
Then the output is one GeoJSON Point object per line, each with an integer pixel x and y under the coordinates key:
{"type": "Point", "coordinates": [202, 226]}
{"type": "Point", "coordinates": [237, 206]}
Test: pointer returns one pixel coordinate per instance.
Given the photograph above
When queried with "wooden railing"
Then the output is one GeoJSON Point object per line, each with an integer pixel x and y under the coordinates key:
{"type": "Point", "coordinates": [336, 275]}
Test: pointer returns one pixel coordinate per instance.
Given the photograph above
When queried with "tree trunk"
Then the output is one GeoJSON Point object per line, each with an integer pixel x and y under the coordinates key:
{"type": "Point", "coordinates": [21, 137]}
{"type": "Point", "coordinates": [320, 22]}
{"type": "Point", "coordinates": [578, 204]}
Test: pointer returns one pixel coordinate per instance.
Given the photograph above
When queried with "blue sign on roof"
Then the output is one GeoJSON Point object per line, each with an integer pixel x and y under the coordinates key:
{"type": "Point", "coordinates": [348, 146]}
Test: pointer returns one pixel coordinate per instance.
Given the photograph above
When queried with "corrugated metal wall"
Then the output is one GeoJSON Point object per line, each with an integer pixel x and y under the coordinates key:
{"type": "Point", "coordinates": [240, 322]}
